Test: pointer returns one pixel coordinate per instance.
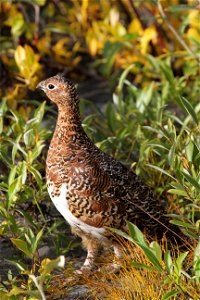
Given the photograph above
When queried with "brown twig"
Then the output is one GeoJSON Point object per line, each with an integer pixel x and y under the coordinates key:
{"type": "Point", "coordinates": [24, 13]}
{"type": "Point", "coordinates": [37, 20]}
{"type": "Point", "coordinates": [143, 24]}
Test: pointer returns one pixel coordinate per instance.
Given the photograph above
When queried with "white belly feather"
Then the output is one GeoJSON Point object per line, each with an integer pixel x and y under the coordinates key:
{"type": "Point", "coordinates": [61, 204]}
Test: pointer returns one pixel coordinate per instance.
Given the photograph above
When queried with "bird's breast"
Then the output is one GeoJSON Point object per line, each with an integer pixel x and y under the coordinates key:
{"type": "Point", "coordinates": [60, 197]}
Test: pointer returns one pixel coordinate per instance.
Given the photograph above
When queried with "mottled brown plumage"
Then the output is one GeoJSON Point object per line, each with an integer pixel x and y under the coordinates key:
{"type": "Point", "coordinates": [91, 189]}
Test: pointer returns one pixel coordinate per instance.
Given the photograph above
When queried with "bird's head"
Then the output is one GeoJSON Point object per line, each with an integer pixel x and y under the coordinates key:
{"type": "Point", "coordinates": [59, 90]}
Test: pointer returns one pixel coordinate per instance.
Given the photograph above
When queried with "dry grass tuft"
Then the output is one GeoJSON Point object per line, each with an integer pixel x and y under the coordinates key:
{"type": "Point", "coordinates": [136, 283]}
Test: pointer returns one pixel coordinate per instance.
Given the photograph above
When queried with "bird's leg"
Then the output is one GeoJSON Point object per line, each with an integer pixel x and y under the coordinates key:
{"type": "Point", "coordinates": [90, 259]}
{"type": "Point", "coordinates": [92, 251]}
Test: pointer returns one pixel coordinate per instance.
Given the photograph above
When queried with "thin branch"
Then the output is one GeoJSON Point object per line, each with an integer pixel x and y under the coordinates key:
{"type": "Point", "coordinates": [143, 24]}
{"type": "Point", "coordinates": [37, 20]}
{"type": "Point", "coordinates": [24, 13]}
{"type": "Point", "coordinates": [127, 9]}
{"type": "Point", "coordinates": [175, 33]}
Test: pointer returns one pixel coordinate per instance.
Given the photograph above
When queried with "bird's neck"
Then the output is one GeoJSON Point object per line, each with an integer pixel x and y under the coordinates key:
{"type": "Point", "coordinates": [68, 124]}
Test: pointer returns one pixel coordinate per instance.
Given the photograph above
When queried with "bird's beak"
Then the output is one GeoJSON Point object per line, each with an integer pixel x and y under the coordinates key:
{"type": "Point", "coordinates": [40, 86]}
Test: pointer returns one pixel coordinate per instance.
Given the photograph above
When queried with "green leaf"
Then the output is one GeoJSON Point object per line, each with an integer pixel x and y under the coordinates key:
{"type": "Point", "coordinates": [20, 266]}
{"type": "Point", "coordinates": [161, 170]}
{"type": "Point", "coordinates": [27, 217]}
{"type": "Point", "coordinates": [13, 223]}
{"type": "Point", "coordinates": [111, 116]}
{"type": "Point", "coordinates": [123, 78]}
{"type": "Point", "coordinates": [18, 118]}
{"type": "Point", "coordinates": [121, 233]}
{"type": "Point", "coordinates": [156, 249]}
{"type": "Point", "coordinates": [167, 72]}
{"type": "Point", "coordinates": [196, 264]}
{"type": "Point", "coordinates": [150, 255]}
{"type": "Point", "coordinates": [153, 60]}
{"type": "Point", "coordinates": [119, 103]}
{"type": "Point", "coordinates": [17, 25]}
{"type": "Point", "coordinates": [23, 172]}
{"type": "Point", "coordinates": [37, 238]}
{"type": "Point", "coordinates": [136, 234]}
{"type": "Point", "coordinates": [170, 294]}
{"type": "Point", "coordinates": [178, 192]}
{"type": "Point", "coordinates": [189, 109]}
{"type": "Point", "coordinates": [28, 137]}
{"type": "Point", "coordinates": [143, 266]}
{"type": "Point", "coordinates": [17, 146]}
{"type": "Point", "coordinates": [179, 262]}
{"type": "Point", "coordinates": [197, 252]}
{"type": "Point", "coordinates": [156, 145]}
{"type": "Point", "coordinates": [22, 245]}
{"type": "Point", "coordinates": [36, 175]}
{"type": "Point", "coordinates": [144, 98]}
{"type": "Point", "coordinates": [189, 150]}
{"type": "Point", "coordinates": [39, 112]}
{"type": "Point", "coordinates": [168, 262]}
{"type": "Point", "coordinates": [171, 154]}
{"type": "Point", "coordinates": [30, 237]}
{"type": "Point", "coordinates": [191, 180]}
{"type": "Point", "coordinates": [12, 175]}
{"type": "Point", "coordinates": [138, 239]}
{"type": "Point", "coordinates": [183, 224]}
{"type": "Point", "coordinates": [13, 189]}
{"type": "Point", "coordinates": [109, 52]}
{"type": "Point", "coordinates": [37, 150]}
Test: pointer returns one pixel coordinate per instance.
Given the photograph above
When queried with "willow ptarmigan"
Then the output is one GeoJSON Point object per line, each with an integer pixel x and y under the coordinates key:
{"type": "Point", "coordinates": [89, 188]}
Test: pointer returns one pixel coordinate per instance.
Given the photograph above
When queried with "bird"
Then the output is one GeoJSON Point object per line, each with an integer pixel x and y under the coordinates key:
{"type": "Point", "coordinates": [92, 190]}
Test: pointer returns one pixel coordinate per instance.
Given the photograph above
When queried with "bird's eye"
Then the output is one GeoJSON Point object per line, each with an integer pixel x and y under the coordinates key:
{"type": "Point", "coordinates": [51, 86]}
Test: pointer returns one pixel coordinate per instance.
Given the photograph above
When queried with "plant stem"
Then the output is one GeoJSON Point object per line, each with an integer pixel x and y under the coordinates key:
{"type": "Point", "coordinates": [37, 21]}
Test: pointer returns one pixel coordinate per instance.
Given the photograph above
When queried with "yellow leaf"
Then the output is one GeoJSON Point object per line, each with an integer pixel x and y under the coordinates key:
{"type": "Point", "coordinates": [60, 49]}
{"type": "Point", "coordinates": [149, 34]}
{"type": "Point", "coordinates": [84, 7]}
{"type": "Point", "coordinates": [40, 2]}
{"type": "Point", "coordinates": [120, 30]}
{"type": "Point", "coordinates": [20, 56]}
{"type": "Point", "coordinates": [30, 56]}
{"type": "Point", "coordinates": [135, 27]}
{"type": "Point", "coordinates": [27, 62]}
{"type": "Point", "coordinates": [43, 264]}
{"type": "Point", "coordinates": [16, 291]}
{"type": "Point", "coordinates": [193, 33]}
{"type": "Point", "coordinates": [93, 46]}
{"type": "Point", "coordinates": [48, 265]}
{"type": "Point", "coordinates": [43, 44]}
{"type": "Point", "coordinates": [194, 18]}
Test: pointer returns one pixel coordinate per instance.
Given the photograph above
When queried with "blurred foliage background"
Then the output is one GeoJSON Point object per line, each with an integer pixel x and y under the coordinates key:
{"type": "Point", "coordinates": [147, 52]}
{"type": "Point", "coordinates": [94, 38]}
